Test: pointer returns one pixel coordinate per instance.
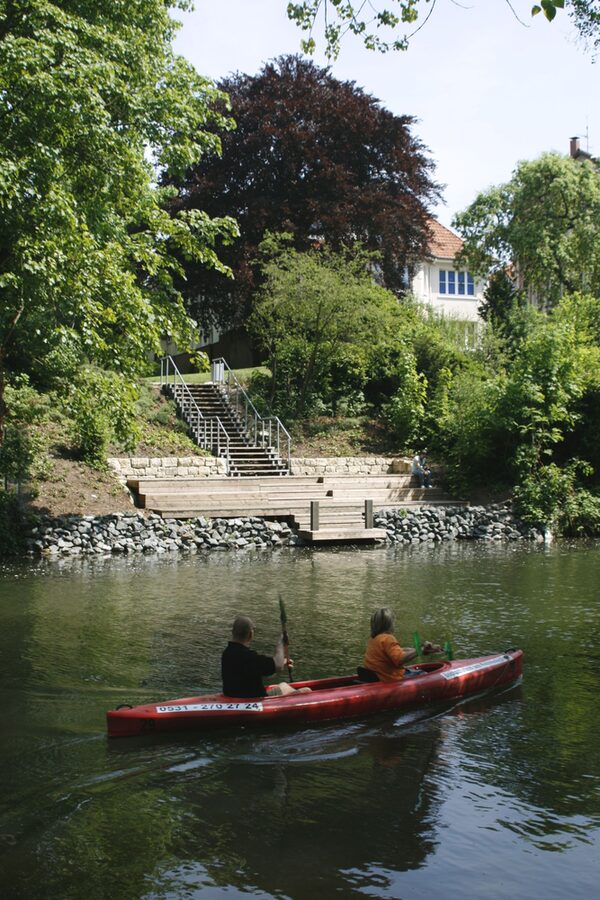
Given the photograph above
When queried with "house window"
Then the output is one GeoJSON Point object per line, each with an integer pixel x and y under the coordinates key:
{"type": "Point", "coordinates": [457, 283]}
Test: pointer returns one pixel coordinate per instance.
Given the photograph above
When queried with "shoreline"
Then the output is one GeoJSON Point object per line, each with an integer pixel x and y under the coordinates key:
{"type": "Point", "coordinates": [134, 533]}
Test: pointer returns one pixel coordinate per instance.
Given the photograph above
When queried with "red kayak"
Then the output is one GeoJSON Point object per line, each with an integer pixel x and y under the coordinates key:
{"type": "Point", "coordinates": [329, 698]}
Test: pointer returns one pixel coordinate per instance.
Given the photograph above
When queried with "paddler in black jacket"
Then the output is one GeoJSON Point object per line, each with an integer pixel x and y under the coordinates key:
{"type": "Point", "coordinates": [243, 669]}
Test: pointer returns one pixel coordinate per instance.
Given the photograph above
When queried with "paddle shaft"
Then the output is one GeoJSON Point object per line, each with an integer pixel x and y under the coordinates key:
{"type": "Point", "coordinates": [286, 642]}
{"type": "Point", "coordinates": [284, 635]}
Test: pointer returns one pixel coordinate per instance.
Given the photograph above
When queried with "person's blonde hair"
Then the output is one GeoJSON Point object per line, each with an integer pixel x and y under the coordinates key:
{"type": "Point", "coordinates": [382, 620]}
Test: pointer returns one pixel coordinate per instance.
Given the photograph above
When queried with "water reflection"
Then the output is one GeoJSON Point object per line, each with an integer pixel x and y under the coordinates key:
{"type": "Point", "coordinates": [388, 806]}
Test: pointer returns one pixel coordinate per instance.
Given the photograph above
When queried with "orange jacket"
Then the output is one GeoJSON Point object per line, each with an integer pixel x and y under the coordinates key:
{"type": "Point", "coordinates": [384, 656]}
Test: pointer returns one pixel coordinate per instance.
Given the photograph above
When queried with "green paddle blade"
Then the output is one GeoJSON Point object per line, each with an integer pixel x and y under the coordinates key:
{"type": "Point", "coordinates": [417, 642]}
{"type": "Point", "coordinates": [448, 650]}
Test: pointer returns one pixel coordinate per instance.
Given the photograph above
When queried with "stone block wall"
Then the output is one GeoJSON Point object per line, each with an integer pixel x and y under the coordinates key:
{"type": "Point", "coordinates": [166, 467]}
{"type": "Point", "coordinates": [204, 466]}
{"type": "Point", "coordinates": [349, 465]}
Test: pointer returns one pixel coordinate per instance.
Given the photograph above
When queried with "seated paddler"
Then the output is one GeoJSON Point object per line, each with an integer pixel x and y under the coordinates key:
{"type": "Point", "coordinates": [243, 669]}
{"type": "Point", "coordinates": [384, 655]}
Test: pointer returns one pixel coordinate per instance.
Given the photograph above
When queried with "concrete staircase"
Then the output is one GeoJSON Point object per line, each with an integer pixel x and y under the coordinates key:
{"type": "Point", "coordinates": [323, 508]}
{"type": "Point", "coordinates": [246, 458]}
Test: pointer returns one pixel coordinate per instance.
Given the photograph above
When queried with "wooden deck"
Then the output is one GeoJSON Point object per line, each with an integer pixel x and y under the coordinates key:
{"type": "Point", "coordinates": [323, 508]}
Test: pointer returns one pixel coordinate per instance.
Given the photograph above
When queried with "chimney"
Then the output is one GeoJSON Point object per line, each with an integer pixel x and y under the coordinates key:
{"type": "Point", "coordinates": [574, 148]}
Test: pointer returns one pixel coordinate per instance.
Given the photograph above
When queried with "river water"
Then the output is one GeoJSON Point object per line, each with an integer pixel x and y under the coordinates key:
{"type": "Point", "coordinates": [494, 798]}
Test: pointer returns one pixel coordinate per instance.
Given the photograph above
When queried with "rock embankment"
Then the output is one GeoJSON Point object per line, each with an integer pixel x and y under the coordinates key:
{"type": "Point", "coordinates": [448, 523]}
{"type": "Point", "coordinates": [131, 533]}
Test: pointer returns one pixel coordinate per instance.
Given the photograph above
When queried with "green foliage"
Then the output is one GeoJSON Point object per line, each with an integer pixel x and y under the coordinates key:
{"type": "Point", "coordinates": [20, 453]}
{"type": "Point", "coordinates": [341, 17]}
{"type": "Point", "coordinates": [546, 378]}
{"type": "Point", "coordinates": [323, 322]}
{"type": "Point", "coordinates": [470, 431]}
{"type": "Point", "coordinates": [405, 411]}
{"type": "Point", "coordinates": [583, 312]}
{"type": "Point", "coordinates": [551, 496]}
{"type": "Point", "coordinates": [22, 450]}
{"type": "Point", "coordinates": [501, 300]}
{"type": "Point", "coordinates": [155, 409]}
{"type": "Point", "coordinates": [542, 226]}
{"type": "Point", "coordinates": [548, 8]}
{"type": "Point", "coordinates": [88, 255]}
{"type": "Point", "coordinates": [346, 17]}
{"type": "Point", "coordinates": [102, 409]}
{"type": "Point", "coordinates": [200, 361]}
{"type": "Point", "coordinates": [521, 418]}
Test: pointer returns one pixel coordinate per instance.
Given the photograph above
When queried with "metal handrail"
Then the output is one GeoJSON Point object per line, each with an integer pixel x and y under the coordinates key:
{"type": "Point", "coordinates": [213, 430]}
{"type": "Point", "coordinates": [261, 427]}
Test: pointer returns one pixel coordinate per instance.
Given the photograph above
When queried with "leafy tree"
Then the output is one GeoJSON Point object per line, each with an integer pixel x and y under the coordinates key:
{"type": "Point", "coordinates": [582, 313]}
{"type": "Point", "coordinates": [525, 423]}
{"type": "Point", "coordinates": [322, 322]}
{"type": "Point", "coordinates": [543, 227]}
{"type": "Point", "coordinates": [546, 378]}
{"type": "Point", "coordinates": [370, 21]}
{"type": "Point", "coordinates": [404, 412]}
{"type": "Point", "coordinates": [92, 98]}
{"type": "Point", "coordinates": [315, 157]}
{"type": "Point", "coordinates": [553, 497]}
{"type": "Point", "coordinates": [500, 301]}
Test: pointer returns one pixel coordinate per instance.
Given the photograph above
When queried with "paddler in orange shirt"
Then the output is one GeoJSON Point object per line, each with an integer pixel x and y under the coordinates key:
{"type": "Point", "coordinates": [384, 655]}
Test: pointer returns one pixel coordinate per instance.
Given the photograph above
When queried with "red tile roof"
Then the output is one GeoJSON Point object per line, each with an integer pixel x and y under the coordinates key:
{"type": "Point", "coordinates": [443, 243]}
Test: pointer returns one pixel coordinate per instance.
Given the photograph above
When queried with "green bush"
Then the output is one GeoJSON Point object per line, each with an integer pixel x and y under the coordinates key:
{"type": "Point", "coordinates": [19, 453]}
{"type": "Point", "coordinates": [405, 411]}
{"type": "Point", "coordinates": [22, 450]}
{"type": "Point", "coordinates": [552, 497]}
{"type": "Point", "coordinates": [102, 408]}
{"type": "Point", "coordinates": [91, 431]}
{"type": "Point", "coordinates": [580, 516]}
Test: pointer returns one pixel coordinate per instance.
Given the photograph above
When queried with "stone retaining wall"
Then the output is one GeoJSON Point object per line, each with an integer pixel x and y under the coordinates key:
{"type": "Point", "coordinates": [166, 467]}
{"type": "Point", "coordinates": [131, 533]}
{"type": "Point", "coordinates": [204, 466]}
{"type": "Point", "coordinates": [448, 523]}
{"type": "Point", "coordinates": [134, 532]}
{"type": "Point", "coordinates": [349, 465]}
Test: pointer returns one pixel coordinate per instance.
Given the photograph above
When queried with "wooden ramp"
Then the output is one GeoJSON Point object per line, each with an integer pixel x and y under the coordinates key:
{"type": "Point", "coordinates": [323, 508]}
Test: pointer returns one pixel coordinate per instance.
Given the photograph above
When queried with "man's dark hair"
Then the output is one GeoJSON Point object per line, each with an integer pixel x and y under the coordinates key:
{"type": "Point", "coordinates": [241, 628]}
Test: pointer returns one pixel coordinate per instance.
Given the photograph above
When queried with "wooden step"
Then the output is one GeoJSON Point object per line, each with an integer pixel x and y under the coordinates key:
{"type": "Point", "coordinates": [342, 534]}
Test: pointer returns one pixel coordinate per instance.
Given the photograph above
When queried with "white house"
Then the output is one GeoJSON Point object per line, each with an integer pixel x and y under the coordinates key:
{"type": "Point", "coordinates": [452, 292]}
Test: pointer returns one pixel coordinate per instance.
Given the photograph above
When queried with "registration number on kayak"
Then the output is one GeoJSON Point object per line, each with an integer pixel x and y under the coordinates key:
{"type": "Point", "coordinates": [210, 707]}
{"type": "Point", "coordinates": [474, 667]}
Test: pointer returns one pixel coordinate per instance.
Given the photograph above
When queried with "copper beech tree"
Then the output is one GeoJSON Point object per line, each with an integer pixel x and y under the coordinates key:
{"type": "Point", "coordinates": [317, 158]}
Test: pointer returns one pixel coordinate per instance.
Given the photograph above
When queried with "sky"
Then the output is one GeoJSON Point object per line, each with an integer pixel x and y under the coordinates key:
{"type": "Point", "coordinates": [486, 90]}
